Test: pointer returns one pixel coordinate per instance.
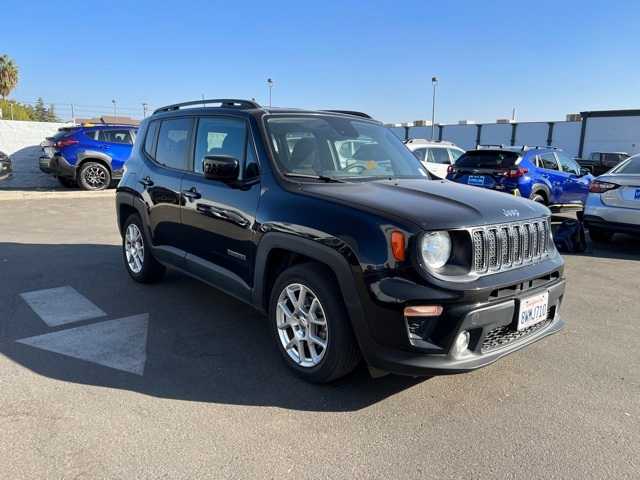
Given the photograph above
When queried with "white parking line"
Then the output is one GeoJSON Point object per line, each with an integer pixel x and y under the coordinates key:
{"type": "Point", "coordinates": [59, 306]}
{"type": "Point", "coordinates": [119, 344]}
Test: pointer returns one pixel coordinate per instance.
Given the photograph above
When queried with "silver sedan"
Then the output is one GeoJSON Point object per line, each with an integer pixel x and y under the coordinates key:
{"type": "Point", "coordinates": [613, 204]}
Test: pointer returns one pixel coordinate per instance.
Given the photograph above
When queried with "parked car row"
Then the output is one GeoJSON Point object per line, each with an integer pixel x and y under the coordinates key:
{"type": "Point", "coordinates": [90, 157]}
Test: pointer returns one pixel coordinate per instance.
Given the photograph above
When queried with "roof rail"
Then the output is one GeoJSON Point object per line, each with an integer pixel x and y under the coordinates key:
{"type": "Point", "coordinates": [349, 112]}
{"type": "Point", "coordinates": [490, 145]}
{"type": "Point", "coordinates": [224, 103]}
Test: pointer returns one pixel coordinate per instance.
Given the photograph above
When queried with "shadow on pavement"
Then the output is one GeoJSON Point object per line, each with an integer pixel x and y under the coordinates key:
{"type": "Point", "coordinates": [202, 345]}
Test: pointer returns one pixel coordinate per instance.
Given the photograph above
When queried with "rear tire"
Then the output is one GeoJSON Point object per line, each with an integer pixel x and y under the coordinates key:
{"type": "Point", "coordinates": [94, 176]}
{"type": "Point", "coordinates": [303, 323]}
{"type": "Point", "coordinates": [136, 253]}
{"type": "Point", "coordinates": [599, 235]}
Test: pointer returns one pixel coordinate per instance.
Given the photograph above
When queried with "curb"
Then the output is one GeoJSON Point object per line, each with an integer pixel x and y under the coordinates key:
{"type": "Point", "coordinates": [35, 195]}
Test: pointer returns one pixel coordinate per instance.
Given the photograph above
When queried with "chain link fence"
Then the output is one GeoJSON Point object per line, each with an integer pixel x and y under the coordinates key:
{"type": "Point", "coordinates": [44, 110]}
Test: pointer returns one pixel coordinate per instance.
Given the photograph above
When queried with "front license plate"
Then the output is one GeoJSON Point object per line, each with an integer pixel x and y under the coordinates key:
{"type": "Point", "coordinates": [533, 310]}
{"type": "Point", "coordinates": [475, 180]}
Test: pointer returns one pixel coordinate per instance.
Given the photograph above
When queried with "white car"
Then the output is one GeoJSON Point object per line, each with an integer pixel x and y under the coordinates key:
{"type": "Point", "coordinates": [436, 156]}
{"type": "Point", "coordinates": [613, 204]}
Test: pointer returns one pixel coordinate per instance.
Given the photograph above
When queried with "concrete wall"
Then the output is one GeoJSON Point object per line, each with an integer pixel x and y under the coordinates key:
{"type": "Point", "coordinates": [566, 135]}
{"type": "Point", "coordinates": [532, 133]}
{"type": "Point", "coordinates": [462, 135]}
{"type": "Point", "coordinates": [21, 141]}
{"type": "Point", "coordinates": [496, 134]}
{"type": "Point", "coordinates": [612, 134]}
{"type": "Point", "coordinates": [16, 135]}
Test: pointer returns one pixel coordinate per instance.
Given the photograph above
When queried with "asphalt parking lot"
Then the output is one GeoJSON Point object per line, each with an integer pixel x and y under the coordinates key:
{"type": "Point", "coordinates": [106, 378]}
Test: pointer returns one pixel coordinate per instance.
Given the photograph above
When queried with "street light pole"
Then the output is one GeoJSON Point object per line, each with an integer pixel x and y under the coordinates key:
{"type": "Point", "coordinates": [144, 109]}
{"type": "Point", "coordinates": [270, 83]}
{"type": "Point", "coordinates": [115, 112]}
{"type": "Point", "coordinates": [434, 82]}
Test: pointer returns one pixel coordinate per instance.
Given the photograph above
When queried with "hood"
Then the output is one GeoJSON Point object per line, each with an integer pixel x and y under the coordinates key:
{"type": "Point", "coordinates": [431, 204]}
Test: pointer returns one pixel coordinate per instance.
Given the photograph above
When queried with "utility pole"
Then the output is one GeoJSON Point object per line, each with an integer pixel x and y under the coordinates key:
{"type": "Point", "coordinates": [270, 84]}
{"type": "Point", "coordinates": [115, 111]}
{"type": "Point", "coordinates": [144, 109]}
{"type": "Point", "coordinates": [73, 117]}
{"type": "Point", "coordinates": [434, 82]}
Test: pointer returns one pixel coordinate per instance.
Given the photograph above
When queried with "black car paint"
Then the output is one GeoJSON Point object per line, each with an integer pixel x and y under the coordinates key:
{"type": "Point", "coordinates": [228, 234]}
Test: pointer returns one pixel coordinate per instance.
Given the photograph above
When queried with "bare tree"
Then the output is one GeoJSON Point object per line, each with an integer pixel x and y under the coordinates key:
{"type": "Point", "coordinates": [8, 76]}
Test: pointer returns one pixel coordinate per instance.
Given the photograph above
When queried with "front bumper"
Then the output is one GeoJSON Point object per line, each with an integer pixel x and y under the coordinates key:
{"type": "Point", "coordinates": [423, 346]}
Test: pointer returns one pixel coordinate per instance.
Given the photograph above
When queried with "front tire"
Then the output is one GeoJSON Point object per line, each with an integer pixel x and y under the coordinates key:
{"type": "Point", "coordinates": [310, 324]}
{"type": "Point", "coordinates": [539, 199]}
{"type": "Point", "coordinates": [136, 252]}
{"type": "Point", "coordinates": [94, 176]}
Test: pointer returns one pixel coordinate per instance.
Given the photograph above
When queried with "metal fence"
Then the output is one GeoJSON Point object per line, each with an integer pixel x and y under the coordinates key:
{"type": "Point", "coordinates": [70, 111]}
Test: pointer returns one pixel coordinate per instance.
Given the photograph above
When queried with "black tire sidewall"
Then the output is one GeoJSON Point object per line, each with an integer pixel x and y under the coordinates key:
{"type": "Point", "coordinates": [151, 270]}
{"type": "Point", "coordinates": [84, 185]}
{"type": "Point", "coordinates": [340, 336]}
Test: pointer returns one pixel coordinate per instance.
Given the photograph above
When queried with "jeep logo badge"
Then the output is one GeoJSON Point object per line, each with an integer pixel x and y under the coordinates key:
{"type": "Point", "coordinates": [511, 213]}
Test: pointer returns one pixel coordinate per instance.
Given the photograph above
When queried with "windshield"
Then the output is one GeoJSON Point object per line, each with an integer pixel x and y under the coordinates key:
{"type": "Point", "coordinates": [630, 167]}
{"type": "Point", "coordinates": [499, 159]}
{"type": "Point", "coordinates": [339, 148]}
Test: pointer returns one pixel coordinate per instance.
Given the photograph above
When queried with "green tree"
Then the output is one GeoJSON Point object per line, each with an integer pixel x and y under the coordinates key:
{"type": "Point", "coordinates": [40, 111]}
{"type": "Point", "coordinates": [8, 76]}
{"type": "Point", "coordinates": [51, 114]}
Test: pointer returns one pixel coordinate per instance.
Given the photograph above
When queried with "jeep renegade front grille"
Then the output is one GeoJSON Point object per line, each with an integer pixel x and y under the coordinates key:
{"type": "Point", "coordinates": [497, 248]}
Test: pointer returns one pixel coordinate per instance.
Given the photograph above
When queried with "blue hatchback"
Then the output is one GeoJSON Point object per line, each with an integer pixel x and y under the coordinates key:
{"type": "Point", "coordinates": [543, 174]}
{"type": "Point", "coordinates": [90, 157]}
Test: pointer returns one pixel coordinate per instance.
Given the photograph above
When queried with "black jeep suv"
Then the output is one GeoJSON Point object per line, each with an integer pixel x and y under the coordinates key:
{"type": "Point", "coordinates": [325, 221]}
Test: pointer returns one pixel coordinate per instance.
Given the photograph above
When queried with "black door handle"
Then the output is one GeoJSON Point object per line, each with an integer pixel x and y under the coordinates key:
{"type": "Point", "coordinates": [192, 193]}
{"type": "Point", "coordinates": [146, 181]}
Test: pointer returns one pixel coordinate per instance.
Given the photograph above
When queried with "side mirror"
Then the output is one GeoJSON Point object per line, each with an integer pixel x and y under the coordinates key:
{"type": "Point", "coordinates": [220, 167]}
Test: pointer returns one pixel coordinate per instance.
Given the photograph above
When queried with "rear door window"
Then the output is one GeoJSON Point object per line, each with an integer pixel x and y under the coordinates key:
{"type": "Point", "coordinates": [439, 156]}
{"type": "Point", "coordinates": [490, 159]}
{"type": "Point", "coordinates": [173, 142]}
{"type": "Point", "coordinates": [116, 136]}
{"type": "Point", "coordinates": [548, 161]}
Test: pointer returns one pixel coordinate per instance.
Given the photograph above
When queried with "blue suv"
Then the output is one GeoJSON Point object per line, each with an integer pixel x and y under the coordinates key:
{"type": "Point", "coordinates": [90, 157]}
{"type": "Point", "coordinates": [543, 174]}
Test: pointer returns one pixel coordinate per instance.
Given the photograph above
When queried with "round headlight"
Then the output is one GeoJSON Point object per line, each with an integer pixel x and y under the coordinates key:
{"type": "Point", "coordinates": [435, 248]}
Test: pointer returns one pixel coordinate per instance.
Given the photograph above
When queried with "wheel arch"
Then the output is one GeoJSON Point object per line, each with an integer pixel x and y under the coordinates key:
{"type": "Point", "coordinates": [93, 156]}
{"type": "Point", "coordinates": [277, 251]}
{"type": "Point", "coordinates": [541, 189]}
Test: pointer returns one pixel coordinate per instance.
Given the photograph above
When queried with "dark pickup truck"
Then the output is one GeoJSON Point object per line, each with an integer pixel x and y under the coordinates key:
{"type": "Point", "coordinates": [601, 162]}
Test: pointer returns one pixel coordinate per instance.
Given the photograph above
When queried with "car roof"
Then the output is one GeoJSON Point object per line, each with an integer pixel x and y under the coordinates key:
{"type": "Point", "coordinates": [248, 108]}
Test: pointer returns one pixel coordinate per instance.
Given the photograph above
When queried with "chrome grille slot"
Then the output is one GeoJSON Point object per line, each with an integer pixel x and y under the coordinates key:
{"type": "Point", "coordinates": [502, 247]}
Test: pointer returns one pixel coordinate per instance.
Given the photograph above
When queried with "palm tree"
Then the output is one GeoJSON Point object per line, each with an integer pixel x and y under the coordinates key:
{"type": "Point", "coordinates": [8, 76]}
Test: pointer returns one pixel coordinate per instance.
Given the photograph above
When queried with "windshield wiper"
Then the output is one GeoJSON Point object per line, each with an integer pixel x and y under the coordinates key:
{"type": "Point", "coordinates": [324, 178]}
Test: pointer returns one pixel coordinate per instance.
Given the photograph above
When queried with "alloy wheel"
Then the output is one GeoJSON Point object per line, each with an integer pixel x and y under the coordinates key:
{"type": "Point", "coordinates": [302, 325]}
{"type": "Point", "coordinates": [134, 248]}
{"type": "Point", "coordinates": [96, 177]}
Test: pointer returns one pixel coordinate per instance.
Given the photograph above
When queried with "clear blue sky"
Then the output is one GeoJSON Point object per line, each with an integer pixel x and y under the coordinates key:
{"type": "Point", "coordinates": [544, 58]}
